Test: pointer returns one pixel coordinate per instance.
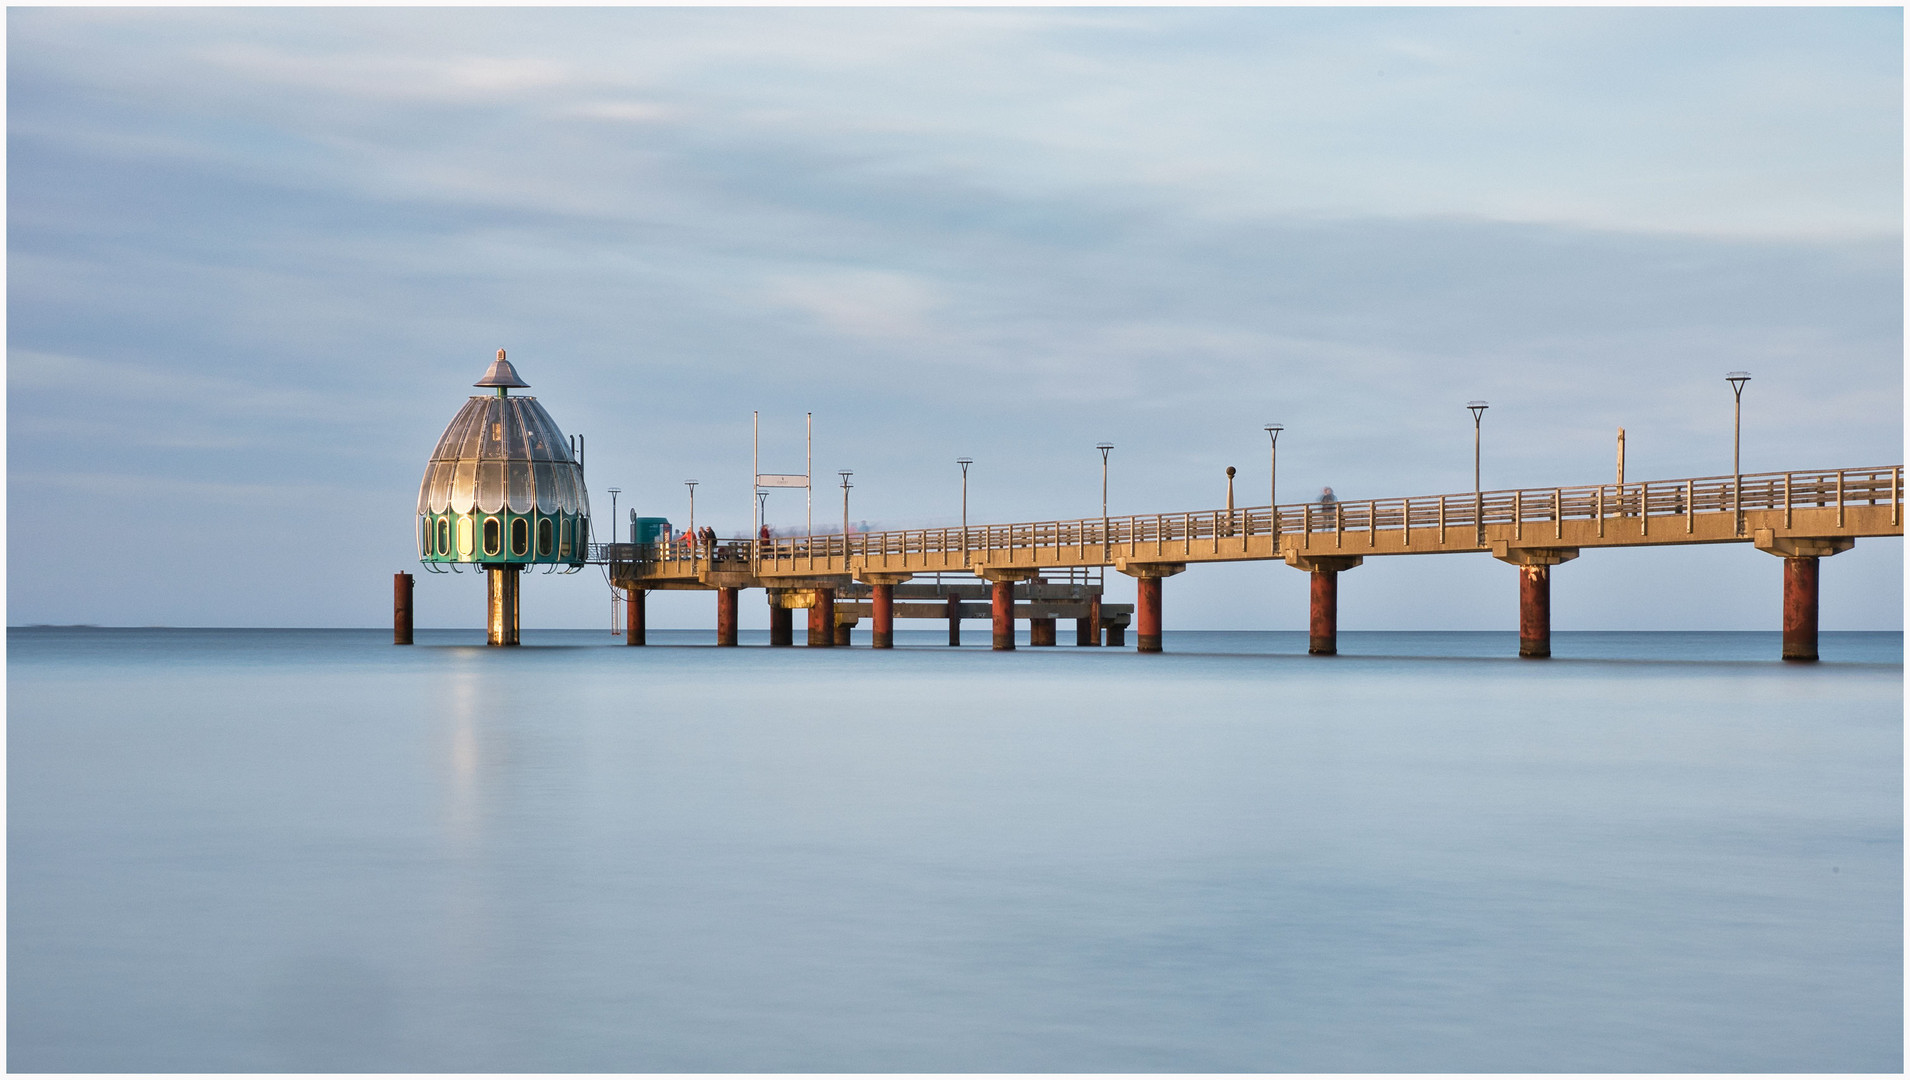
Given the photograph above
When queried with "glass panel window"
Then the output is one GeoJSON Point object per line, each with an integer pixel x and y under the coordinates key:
{"type": "Point", "coordinates": [490, 486]}
{"type": "Point", "coordinates": [563, 539]}
{"type": "Point", "coordinates": [517, 492]}
{"type": "Point", "coordinates": [464, 486]}
{"type": "Point", "coordinates": [493, 536]}
{"type": "Point", "coordinates": [520, 537]}
{"type": "Point", "coordinates": [464, 536]}
{"type": "Point", "coordinates": [543, 536]}
{"type": "Point", "coordinates": [444, 536]}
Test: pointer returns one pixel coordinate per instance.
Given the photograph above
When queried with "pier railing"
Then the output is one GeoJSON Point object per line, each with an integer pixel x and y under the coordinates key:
{"type": "Point", "coordinates": [1657, 507]}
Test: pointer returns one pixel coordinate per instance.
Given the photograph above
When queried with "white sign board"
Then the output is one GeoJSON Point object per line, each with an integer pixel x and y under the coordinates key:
{"type": "Point", "coordinates": [781, 480]}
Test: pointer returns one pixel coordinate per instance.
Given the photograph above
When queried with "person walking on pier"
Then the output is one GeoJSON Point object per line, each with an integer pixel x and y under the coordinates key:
{"type": "Point", "coordinates": [1327, 498]}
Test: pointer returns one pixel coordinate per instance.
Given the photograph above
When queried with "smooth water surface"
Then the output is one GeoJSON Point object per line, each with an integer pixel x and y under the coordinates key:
{"type": "Point", "coordinates": [311, 850]}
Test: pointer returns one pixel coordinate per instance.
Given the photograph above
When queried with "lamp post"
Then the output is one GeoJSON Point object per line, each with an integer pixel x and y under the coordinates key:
{"type": "Point", "coordinates": [1737, 379]}
{"type": "Point", "coordinates": [846, 485]}
{"type": "Point", "coordinates": [1104, 447]}
{"type": "Point", "coordinates": [964, 463]}
{"type": "Point", "coordinates": [614, 492]}
{"type": "Point", "coordinates": [1273, 481]}
{"type": "Point", "coordinates": [1230, 500]}
{"type": "Point", "coordinates": [691, 484]}
{"type": "Point", "coordinates": [1478, 501]}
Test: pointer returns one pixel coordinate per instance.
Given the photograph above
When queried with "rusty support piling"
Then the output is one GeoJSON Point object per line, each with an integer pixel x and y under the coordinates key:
{"type": "Point", "coordinates": [726, 616]}
{"type": "Point", "coordinates": [633, 625]}
{"type": "Point", "coordinates": [1040, 632]}
{"type": "Point", "coordinates": [1003, 594]}
{"type": "Point", "coordinates": [1800, 608]}
{"type": "Point", "coordinates": [1535, 611]}
{"type": "Point", "coordinates": [782, 624]}
{"type": "Point", "coordinates": [1323, 616]}
{"type": "Point", "coordinates": [954, 619]}
{"type": "Point", "coordinates": [1147, 614]}
{"type": "Point", "coordinates": [402, 586]}
{"type": "Point", "coordinates": [822, 619]}
{"type": "Point", "coordinates": [882, 612]}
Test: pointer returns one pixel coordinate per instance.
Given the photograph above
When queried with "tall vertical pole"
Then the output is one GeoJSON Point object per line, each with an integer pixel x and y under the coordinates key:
{"type": "Point", "coordinates": [1621, 462]}
{"type": "Point", "coordinates": [846, 485]}
{"type": "Point", "coordinates": [809, 473]}
{"type": "Point", "coordinates": [964, 463]}
{"type": "Point", "coordinates": [691, 484]}
{"type": "Point", "coordinates": [1273, 482]}
{"type": "Point", "coordinates": [755, 471]}
{"type": "Point", "coordinates": [1105, 542]}
{"type": "Point", "coordinates": [1478, 409]}
{"type": "Point", "coordinates": [1737, 379]}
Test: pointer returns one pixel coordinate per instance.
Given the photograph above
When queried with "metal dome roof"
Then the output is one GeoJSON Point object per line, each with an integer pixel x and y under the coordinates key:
{"type": "Point", "coordinates": [502, 452]}
{"type": "Point", "coordinates": [501, 373]}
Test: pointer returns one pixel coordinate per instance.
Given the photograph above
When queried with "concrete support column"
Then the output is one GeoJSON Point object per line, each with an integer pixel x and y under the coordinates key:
{"type": "Point", "coordinates": [1800, 608]}
{"type": "Point", "coordinates": [843, 630]}
{"type": "Point", "coordinates": [1800, 555]}
{"type": "Point", "coordinates": [726, 616]}
{"type": "Point", "coordinates": [501, 626]}
{"type": "Point", "coordinates": [1323, 614]}
{"type": "Point", "coordinates": [1003, 594]}
{"type": "Point", "coordinates": [1117, 636]}
{"type": "Point", "coordinates": [401, 589]}
{"type": "Point", "coordinates": [782, 624]}
{"type": "Point", "coordinates": [1323, 609]}
{"type": "Point", "coordinates": [633, 626]}
{"type": "Point", "coordinates": [1535, 612]}
{"type": "Point", "coordinates": [1041, 631]}
{"type": "Point", "coordinates": [1535, 592]}
{"type": "Point", "coordinates": [1147, 601]}
{"type": "Point", "coordinates": [882, 613]}
{"type": "Point", "coordinates": [822, 619]}
{"type": "Point", "coordinates": [1147, 614]}
{"type": "Point", "coordinates": [954, 619]}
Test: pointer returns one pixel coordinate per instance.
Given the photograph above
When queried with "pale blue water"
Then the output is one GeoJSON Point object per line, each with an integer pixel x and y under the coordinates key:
{"type": "Point", "coordinates": [312, 850]}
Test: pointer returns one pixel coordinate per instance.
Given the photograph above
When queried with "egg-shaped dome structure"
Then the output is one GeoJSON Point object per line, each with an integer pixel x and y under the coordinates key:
{"type": "Point", "coordinates": [502, 487]}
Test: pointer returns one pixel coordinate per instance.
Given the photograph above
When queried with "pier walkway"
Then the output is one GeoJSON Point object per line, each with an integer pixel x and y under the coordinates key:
{"type": "Point", "coordinates": [1800, 516]}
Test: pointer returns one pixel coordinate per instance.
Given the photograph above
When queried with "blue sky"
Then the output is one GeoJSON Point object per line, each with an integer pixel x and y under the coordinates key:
{"type": "Point", "coordinates": [257, 256]}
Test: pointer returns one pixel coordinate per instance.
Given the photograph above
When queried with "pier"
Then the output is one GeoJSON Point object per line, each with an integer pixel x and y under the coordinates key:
{"type": "Point", "coordinates": [1036, 571]}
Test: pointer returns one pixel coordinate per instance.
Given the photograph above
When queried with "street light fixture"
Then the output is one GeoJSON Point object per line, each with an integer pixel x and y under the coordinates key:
{"type": "Point", "coordinates": [1737, 379]}
{"type": "Point", "coordinates": [614, 492]}
{"type": "Point", "coordinates": [1478, 501]}
{"type": "Point", "coordinates": [846, 485]}
{"type": "Point", "coordinates": [1104, 447]}
{"type": "Point", "coordinates": [964, 463]}
{"type": "Point", "coordinates": [1273, 480]}
{"type": "Point", "coordinates": [691, 484]}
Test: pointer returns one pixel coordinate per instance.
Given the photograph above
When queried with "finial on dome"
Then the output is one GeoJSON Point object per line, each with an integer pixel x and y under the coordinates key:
{"type": "Point", "coordinates": [501, 374]}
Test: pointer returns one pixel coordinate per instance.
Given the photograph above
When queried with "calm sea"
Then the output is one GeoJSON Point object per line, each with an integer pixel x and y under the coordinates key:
{"type": "Point", "coordinates": [261, 850]}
